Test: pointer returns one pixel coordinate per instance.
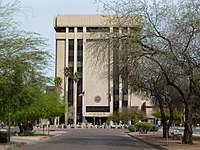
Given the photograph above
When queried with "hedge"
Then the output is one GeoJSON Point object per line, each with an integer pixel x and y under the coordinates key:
{"type": "Point", "coordinates": [143, 125]}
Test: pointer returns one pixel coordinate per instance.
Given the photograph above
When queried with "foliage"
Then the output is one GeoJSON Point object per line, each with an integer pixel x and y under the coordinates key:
{"type": "Point", "coordinates": [23, 59]}
{"type": "Point", "coordinates": [132, 128]}
{"type": "Point", "coordinates": [135, 119]}
{"type": "Point", "coordinates": [169, 50]}
{"type": "Point", "coordinates": [28, 133]}
{"type": "Point", "coordinates": [67, 71]}
{"type": "Point", "coordinates": [76, 76]}
{"type": "Point", "coordinates": [3, 137]}
{"type": "Point", "coordinates": [136, 127]}
{"type": "Point", "coordinates": [58, 81]}
{"type": "Point", "coordinates": [45, 106]}
{"type": "Point", "coordinates": [141, 125]}
{"type": "Point", "coordinates": [154, 128]}
{"type": "Point", "coordinates": [114, 117]}
{"type": "Point", "coordinates": [177, 115]}
{"type": "Point", "coordinates": [127, 114]}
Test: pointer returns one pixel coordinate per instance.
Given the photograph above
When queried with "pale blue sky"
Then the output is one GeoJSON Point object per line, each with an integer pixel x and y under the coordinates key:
{"type": "Point", "coordinates": [37, 16]}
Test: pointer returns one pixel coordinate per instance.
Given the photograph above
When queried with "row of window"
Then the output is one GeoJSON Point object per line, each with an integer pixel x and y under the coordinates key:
{"type": "Point", "coordinates": [97, 108]}
{"type": "Point", "coordinates": [97, 29]}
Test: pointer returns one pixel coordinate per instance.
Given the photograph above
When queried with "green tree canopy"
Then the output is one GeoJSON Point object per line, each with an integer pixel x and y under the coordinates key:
{"type": "Point", "coordinates": [127, 114]}
{"type": "Point", "coordinates": [23, 59]}
{"type": "Point", "coordinates": [47, 105]}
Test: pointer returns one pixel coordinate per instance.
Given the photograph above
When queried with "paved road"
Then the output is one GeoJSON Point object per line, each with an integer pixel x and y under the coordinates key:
{"type": "Point", "coordinates": [90, 139]}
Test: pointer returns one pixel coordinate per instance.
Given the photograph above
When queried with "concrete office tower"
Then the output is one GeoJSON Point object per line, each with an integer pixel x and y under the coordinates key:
{"type": "Point", "coordinates": [76, 38]}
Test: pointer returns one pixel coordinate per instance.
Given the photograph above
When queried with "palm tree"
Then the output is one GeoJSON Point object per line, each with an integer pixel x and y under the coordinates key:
{"type": "Point", "coordinates": [67, 73]}
{"type": "Point", "coordinates": [76, 78]}
{"type": "Point", "coordinates": [58, 82]}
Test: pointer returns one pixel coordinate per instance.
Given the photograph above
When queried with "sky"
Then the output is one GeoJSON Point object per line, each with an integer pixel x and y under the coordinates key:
{"type": "Point", "coordinates": [37, 16]}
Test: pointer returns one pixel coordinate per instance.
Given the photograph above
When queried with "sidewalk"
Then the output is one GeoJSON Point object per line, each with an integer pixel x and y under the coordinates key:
{"type": "Point", "coordinates": [18, 141]}
{"type": "Point", "coordinates": [156, 140]}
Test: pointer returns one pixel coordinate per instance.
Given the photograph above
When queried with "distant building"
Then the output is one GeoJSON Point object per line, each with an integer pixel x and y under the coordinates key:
{"type": "Point", "coordinates": [74, 36]}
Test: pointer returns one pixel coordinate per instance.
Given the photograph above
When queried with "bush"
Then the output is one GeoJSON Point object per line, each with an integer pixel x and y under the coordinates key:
{"type": "Point", "coordinates": [143, 125]}
{"type": "Point", "coordinates": [3, 137]}
{"type": "Point", "coordinates": [154, 128]}
{"type": "Point", "coordinates": [132, 128]}
{"type": "Point", "coordinates": [28, 133]}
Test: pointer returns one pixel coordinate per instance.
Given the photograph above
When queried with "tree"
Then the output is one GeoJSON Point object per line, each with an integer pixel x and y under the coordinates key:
{"type": "Point", "coordinates": [44, 106]}
{"type": "Point", "coordinates": [23, 59]}
{"type": "Point", "coordinates": [67, 71]}
{"type": "Point", "coordinates": [58, 81]}
{"type": "Point", "coordinates": [76, 78]}
{"type": "Point", "coordinates": [170, 39]}
{"type": "Point", "coordinates": [177, 49]}
{"type": "Point", "coordinates": [178, 116]}
{"type": "Point", "coordinates": [127, 114]}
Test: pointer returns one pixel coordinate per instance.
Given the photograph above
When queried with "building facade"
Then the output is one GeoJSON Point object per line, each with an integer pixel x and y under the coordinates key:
{"type": "Point", "coordinates": [96, 95]}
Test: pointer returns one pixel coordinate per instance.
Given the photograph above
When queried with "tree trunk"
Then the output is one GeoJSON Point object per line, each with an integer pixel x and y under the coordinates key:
{"type": "Point", "coordinates": [187, 137]}
{"type": "Point", "coordinates": [162, 115]}
{"type": "Point", "coordinates": [164, 129]}
{"type": "Point", "coordinates": [171, 112]}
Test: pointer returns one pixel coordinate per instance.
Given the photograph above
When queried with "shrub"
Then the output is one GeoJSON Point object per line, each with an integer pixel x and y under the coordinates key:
{"type": "Point", "coordinates": [132, 128]}
{"type": "Point", "coordinates": [154, 128]}
{"type": "Point", "coordinates": [3, 137]}
{"type": "Point", "coordinates": [145, 125]}
{"type": "Point", "coordinates": [28, 133]}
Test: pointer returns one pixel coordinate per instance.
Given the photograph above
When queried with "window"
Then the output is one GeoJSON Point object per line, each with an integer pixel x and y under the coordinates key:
{"type": "Point", "coordinates": [70, 90]}
{"type": "Point", "coordinates": [97, 109]}
{"type": "Point", "coordinates": [60, 29]}
{"type": "Point", "coordinates": [98, 29]}
{"type": "Point", "coordinates": [115, 29]}
{"type": "Point", "coordinates": [71, 50]}
{"type": "Point", "coordinates": [71, 29]}
{"type": "Point", "coordinates": [80, 53]}
{"type": "Point", "coordinates": [80, 29]}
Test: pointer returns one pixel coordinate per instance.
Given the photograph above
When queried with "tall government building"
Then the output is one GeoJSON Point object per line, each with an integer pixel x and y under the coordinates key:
{"type": "Point", "coordinates": [77, 37]}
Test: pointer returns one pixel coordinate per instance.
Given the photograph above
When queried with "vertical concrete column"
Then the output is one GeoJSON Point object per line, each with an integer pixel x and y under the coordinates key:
{"type": "Point", "coordinates": [75, 70]}
{"type": "Point", "coordinates": [120, 80]}
{"type": "Point", "coordinates": [111, 81]}
{"type": "Point", "coordinates": [84, 74]}
{"type": "Point", "coordinates": [66, 65]}
{"type": "Point", "coordinates": [120, 95]}
{"type": "Point", "coordinates": [75, 49]}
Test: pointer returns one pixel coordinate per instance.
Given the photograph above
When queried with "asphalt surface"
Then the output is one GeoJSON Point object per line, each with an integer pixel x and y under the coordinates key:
{"type": "Point", "coordinates": [90, 139]}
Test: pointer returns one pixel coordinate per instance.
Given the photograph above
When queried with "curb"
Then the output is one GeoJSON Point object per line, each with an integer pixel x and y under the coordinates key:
{"type": "Point", "coordinates": [150, 143]}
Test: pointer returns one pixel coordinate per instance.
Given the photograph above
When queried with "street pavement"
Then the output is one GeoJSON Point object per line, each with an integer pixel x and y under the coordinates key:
{"type": "Point", "coordinates": [89, 139]}
{"type": "Point", "coordinates": [82, 139]}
